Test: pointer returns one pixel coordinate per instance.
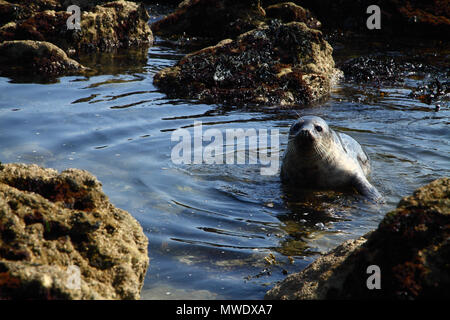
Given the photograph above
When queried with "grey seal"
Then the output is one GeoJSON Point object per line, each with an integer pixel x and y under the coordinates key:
{"type": "Point", "coordinates": [318, 157]}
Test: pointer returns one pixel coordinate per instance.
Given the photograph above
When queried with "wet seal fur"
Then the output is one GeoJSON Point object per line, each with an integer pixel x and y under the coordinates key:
{"type": "Point", "coordinates": [317, 157]}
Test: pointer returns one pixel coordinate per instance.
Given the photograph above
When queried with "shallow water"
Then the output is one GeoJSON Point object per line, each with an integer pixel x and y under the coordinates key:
{"type": "Point", "coordinates": [219, 231]}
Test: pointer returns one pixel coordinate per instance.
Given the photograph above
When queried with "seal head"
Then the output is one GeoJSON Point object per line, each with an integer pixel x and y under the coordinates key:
{"type": "Point", "coordinates": [317, 157]}
{"type": "Point", "coordinates": [310, 135]}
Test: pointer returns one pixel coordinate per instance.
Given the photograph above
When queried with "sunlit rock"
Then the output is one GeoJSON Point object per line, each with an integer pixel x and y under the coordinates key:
{"type": "Point", "coordinates": [282, 64]}
{"type": "Point", "coordinates": [55, 224]}
{"type": "Point", "coordinates": [35, 57]}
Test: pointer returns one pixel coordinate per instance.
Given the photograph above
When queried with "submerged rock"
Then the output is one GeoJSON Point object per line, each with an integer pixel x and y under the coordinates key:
{"type": "Point", "coordinates": [411, 246]}
{"type": "Point", "coordinates": [52, 224]}
{"type": "Point", "coordinates": [283, 64]}
{"type": "Point", "coordinates": [35, 57]}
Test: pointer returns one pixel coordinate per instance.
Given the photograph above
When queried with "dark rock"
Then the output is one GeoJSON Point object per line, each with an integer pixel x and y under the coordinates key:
{"type": "Point", "coordinates": [50, 222]}
{"type": "Point", "coordinates": [381, 69]}
{"type": "Point", "coordinates": [411, 246]}
{"type": "Point", "coordinates": [85, 5]}
{"type": "Point", "coordinates": [105, 26]}
{"type": "Point", "coordinates": [170, 2]}
{"type": "Point", "coordinates": [434, 91]}
{"type": "Point", "coordinates": [11, 11]}
{"type": "Point", "coordinates": [213, 19]}
{"type": "Point", "coordinates": [311, 282]}
{"type": "Point", "coordinates": [427, 17]}
{"type": "Point", "coordinates": [289, 11]}
{"type": "Point", "coordinates": [282, 64]}
{"type": "Point", "coordinates": [39, 5]}
{"type": "Point", "coordinates": [399, 17]}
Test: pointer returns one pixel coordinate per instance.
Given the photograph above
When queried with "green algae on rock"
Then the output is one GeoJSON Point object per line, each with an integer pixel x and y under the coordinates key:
{"type": "Point", "coordinates": [284, 64]}
{"type": "Point", "coordinates": [411, 247]}
{"type": "Point", "coordinates": [50, 222]}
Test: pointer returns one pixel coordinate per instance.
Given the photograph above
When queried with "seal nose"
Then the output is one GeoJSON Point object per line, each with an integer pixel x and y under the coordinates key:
{"type": "Point", "coordinates": [305, 134]}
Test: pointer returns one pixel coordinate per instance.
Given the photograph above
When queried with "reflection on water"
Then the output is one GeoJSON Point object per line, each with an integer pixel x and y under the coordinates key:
{"type": "Point", "coordinates": [217, 231]}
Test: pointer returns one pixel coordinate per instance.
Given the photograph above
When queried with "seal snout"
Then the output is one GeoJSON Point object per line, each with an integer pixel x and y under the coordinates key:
{"type": "Point", "coordinates": [304, 136]}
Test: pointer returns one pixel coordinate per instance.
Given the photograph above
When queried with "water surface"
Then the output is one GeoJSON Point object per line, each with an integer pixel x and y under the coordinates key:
{"type": "Point", "coordinates": [220, 231]}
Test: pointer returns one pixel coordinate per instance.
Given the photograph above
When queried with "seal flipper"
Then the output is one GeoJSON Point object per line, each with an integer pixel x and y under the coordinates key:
{"type": "Point", "coordinates": [363, 186]}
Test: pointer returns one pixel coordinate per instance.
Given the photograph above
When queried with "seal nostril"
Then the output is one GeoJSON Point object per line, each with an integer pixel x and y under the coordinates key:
{"type": "Point", "coordinates": [304, 134]}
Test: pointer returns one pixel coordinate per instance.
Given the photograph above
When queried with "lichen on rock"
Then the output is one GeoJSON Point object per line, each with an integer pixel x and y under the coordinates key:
{"type": "Point", "coordinates": [282, 64]}
{"type": "Point", "coordinates": [52, 221]}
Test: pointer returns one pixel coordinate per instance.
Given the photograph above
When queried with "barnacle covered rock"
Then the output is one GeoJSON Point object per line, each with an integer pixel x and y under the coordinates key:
{"type": "Point", "coordinates": [283, 64]}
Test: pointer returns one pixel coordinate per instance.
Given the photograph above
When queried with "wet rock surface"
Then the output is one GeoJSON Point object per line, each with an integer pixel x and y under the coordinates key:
{"type": "Point", "coordinates": [51, 222]}
{"type": "Point", "coordinates": [426, 81]}
{"type": "Point", "coordinates": [434, 91]}
{"type": "Point", "coordinates": [283, 64]}
{"type": "Point", "coordinates": [378, 69]}
{"type": "Point", "coordinates": [105, 25]}
{"type": "Point", "coordinates": [410, 246]}
{"type": "Point", "coordinates": [35, 57]}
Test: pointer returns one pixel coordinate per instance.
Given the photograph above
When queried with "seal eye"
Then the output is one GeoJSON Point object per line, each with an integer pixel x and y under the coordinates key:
{"type": "Point", "coordinates": [319, 128]}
